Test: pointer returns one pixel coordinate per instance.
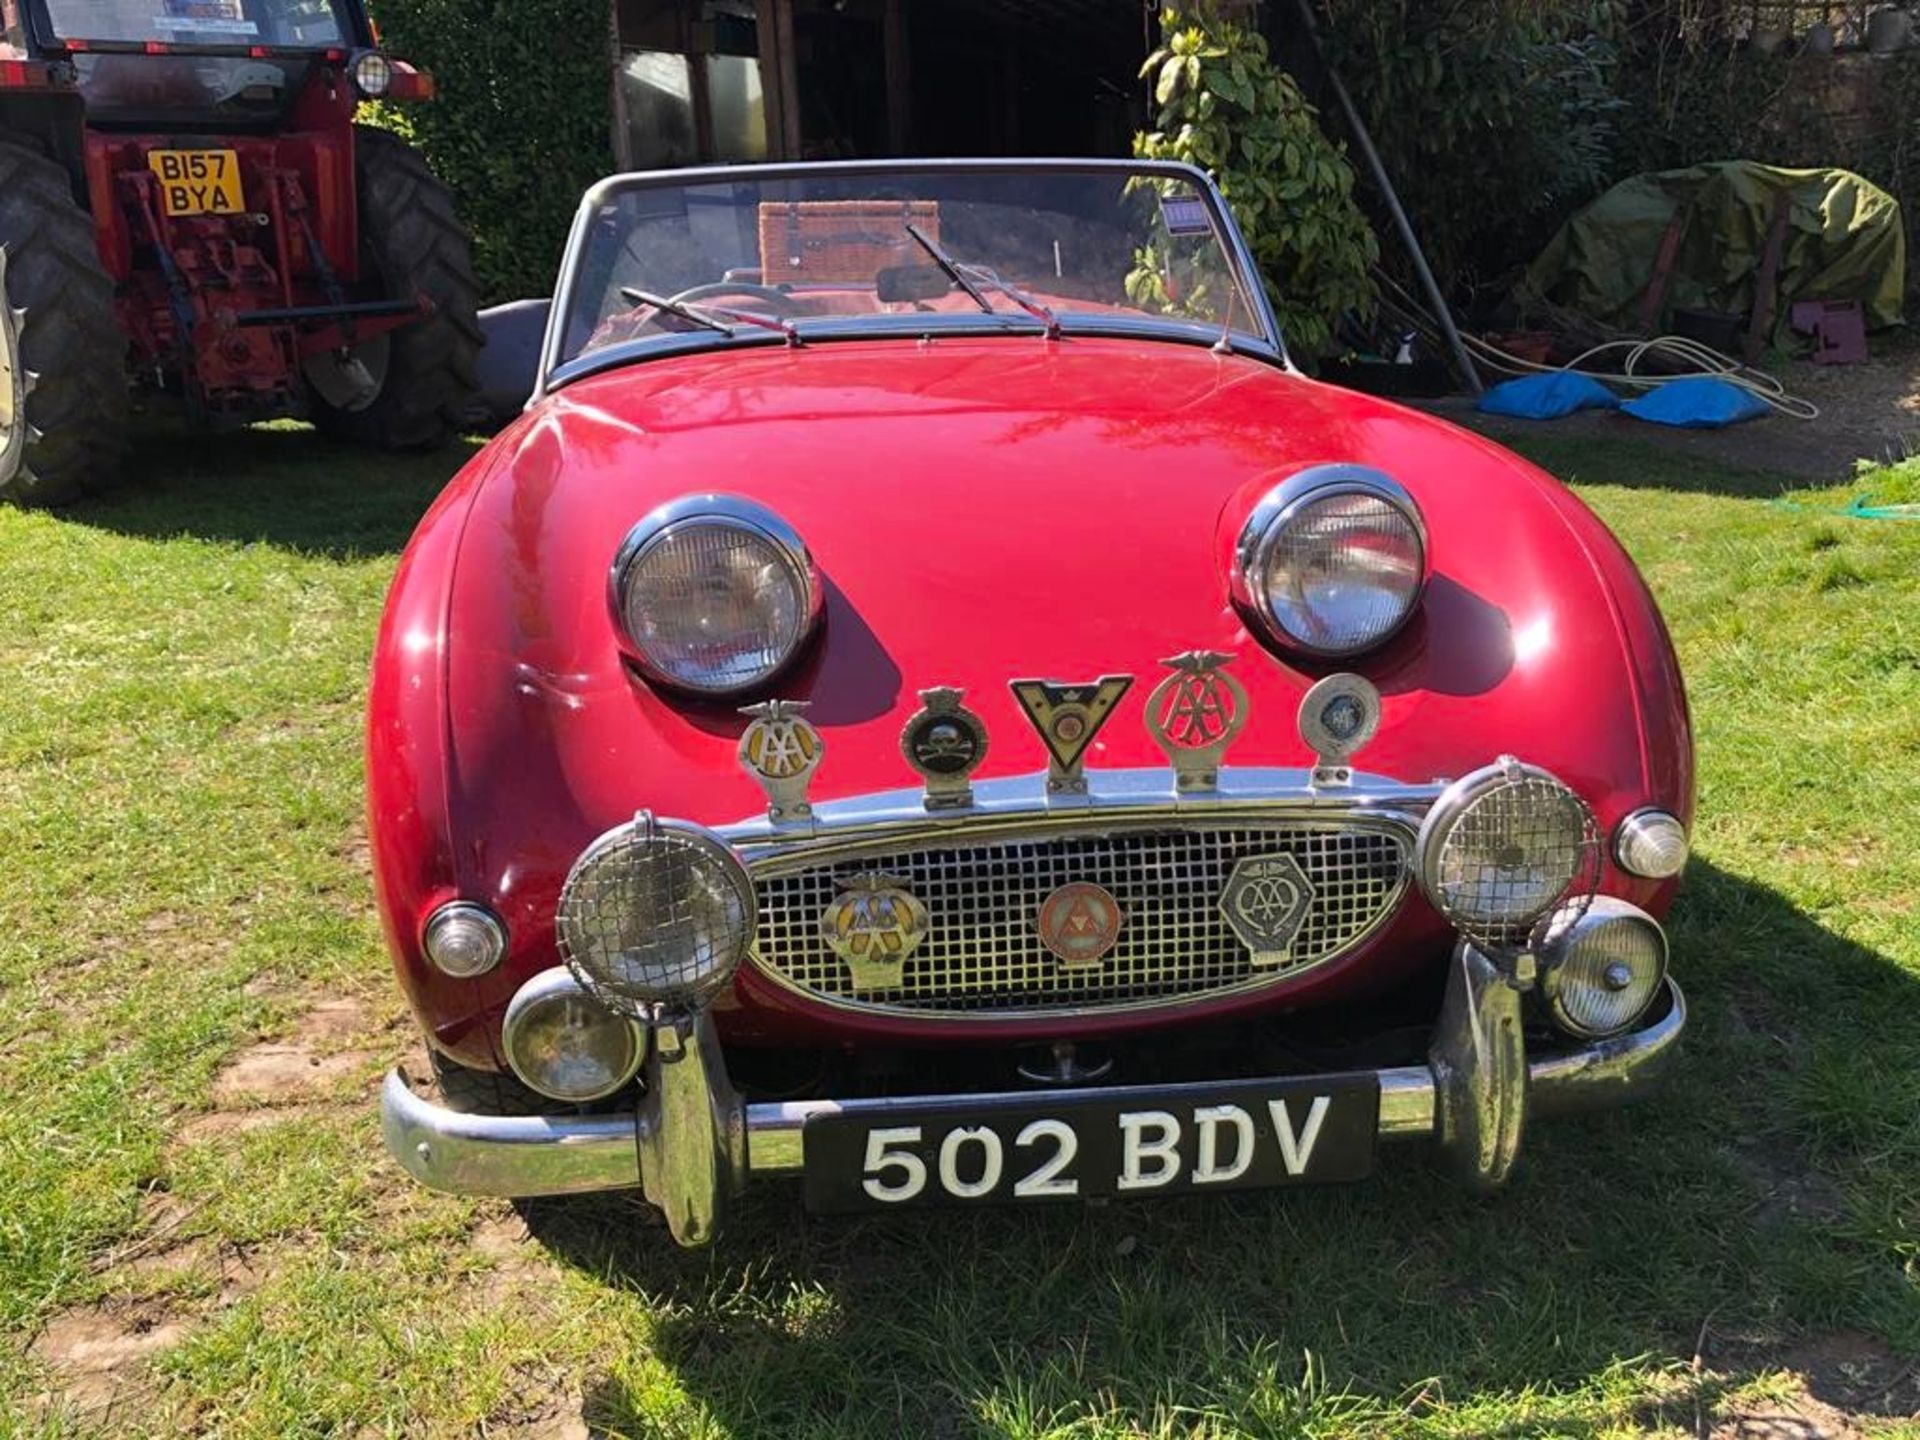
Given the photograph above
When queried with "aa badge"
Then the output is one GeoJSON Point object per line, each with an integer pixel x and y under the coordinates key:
{"type": "Point", "coordinates": [874, 925]}
{"type": "Point", "coordinates": [1068, 716]}
{"type": "Point", "coordinates": [1194, 714]}
{"type": "Point", "coordinates": [781, 750]}
{"type": "Point", "coordinates": [945, 742]}
{"type": "Point", "coordinates": [1266, 901]}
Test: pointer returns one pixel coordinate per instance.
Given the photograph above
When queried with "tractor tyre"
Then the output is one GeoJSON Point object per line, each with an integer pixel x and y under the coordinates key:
{"type": "Point", "coordinates": [422, 374]}
{"type": "Point", "coordinates": [63, 358]}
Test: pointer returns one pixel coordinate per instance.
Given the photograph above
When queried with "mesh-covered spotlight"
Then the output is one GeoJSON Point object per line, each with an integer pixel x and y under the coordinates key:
{"type": "Point", "coordinates": [715, 594]}
{"type": "Point", "coordinates": [1510, 856]}
{"type": "Point", "coordinates": [655, 914]}
{"type": "Point", "coordinates": [1606, 969]}
{"type": "Point", "coordinates": [565, 1044]}
{"type": "Point", "coordinates": [1332, 560]}
{"type": "Point", "coordinates": [372, 74]}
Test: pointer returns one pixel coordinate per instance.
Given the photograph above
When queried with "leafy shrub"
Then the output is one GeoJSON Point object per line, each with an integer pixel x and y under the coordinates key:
{"type": "Point", "coordinates": [521, 124]}
{"type": "Point", "coordinates": [1894, 482]}
{"type": "Point", "coordinates": [1223, 105]}
{"type": "Point", "coordinates": [1494, 117]}
{"type": "Point", "coordinates": [1692, 96]}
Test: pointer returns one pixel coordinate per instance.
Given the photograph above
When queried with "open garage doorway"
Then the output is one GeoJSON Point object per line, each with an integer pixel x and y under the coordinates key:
{"type": "Point", "coordinates": [720, 81]}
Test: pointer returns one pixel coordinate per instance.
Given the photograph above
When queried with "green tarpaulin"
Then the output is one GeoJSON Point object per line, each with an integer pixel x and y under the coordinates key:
{"type": "Point", "coordinates": [1844, 241]}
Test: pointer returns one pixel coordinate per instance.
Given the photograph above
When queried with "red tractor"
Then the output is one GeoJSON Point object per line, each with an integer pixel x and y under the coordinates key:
{"type": "Point", "coordinates": [187, 207]}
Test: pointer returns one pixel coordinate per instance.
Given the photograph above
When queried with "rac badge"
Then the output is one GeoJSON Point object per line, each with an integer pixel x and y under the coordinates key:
{"type": "Point", "coordinates": [1079, 923]}
{"type": "Point", "coordinates": [1266, 902]}
{"type": "Point", "coordinates": [945, 743]}
{"type": "Point", "coordinates": [1068, 716]}
{"type": "Point", "coordinates": [781, 750]}
{"type": "Point", "coordinates": [874, 925]}
{"type": "Point", "coordinates": [1194, 714]}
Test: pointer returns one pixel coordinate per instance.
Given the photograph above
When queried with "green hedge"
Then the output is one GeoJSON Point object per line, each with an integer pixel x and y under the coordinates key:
{"type": "Point", "coordinates": [521, 126]}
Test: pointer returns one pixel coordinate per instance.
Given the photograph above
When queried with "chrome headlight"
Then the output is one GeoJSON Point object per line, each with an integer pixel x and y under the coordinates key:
{"type": "Point", "coordinates": [1332, 560]}
{"type": "Point", "coordinates": [655, 913]}
{"type": "Point", "coordinates": [565, 1044]}
{"type": "Point", "coordinates": [1606, 970]}
{"type": "Point", "coordinates": [1505, 849]}
{"type": "Point", "coordinates": [714, 594]}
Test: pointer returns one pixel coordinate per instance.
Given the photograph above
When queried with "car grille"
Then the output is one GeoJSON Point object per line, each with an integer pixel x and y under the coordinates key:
{"type": "Point", "coordinates": [982, 951]}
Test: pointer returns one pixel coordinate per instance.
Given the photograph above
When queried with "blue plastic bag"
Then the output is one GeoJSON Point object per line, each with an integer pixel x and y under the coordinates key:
{"type": "Point", "coordinates": [1697, 402]}
{"type": "Point", "coordinates": [1548, 397]}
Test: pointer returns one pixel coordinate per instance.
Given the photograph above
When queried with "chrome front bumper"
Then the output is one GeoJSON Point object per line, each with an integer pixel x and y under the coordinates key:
{"type": "Point", "coordinates": [692, 1143]}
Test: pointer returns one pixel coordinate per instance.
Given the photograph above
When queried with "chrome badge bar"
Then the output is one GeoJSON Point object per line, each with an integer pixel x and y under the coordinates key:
{"type": "Point", "coordinates": [1193, 714]}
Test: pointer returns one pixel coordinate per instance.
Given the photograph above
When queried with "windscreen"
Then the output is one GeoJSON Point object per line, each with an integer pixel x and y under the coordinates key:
{"type": "Point", "coordinates": [295, 23]}
{"type": "Point", "coordinates": [892, 251]}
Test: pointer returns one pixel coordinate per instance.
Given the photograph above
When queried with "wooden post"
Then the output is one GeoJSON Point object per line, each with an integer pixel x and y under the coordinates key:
{"type": "Point", "coordinates": [1654, 304]}
{"type": "Point", "coordinates": [622, 146]}
{"type": "Point", "coordinates": [766, 33]}
{"type": "Point", "coordinates": [1766, 284]}
{"type": "Point", "coordinates": [791, 140]}
{"type": "Point", "coordinates": [899, 90]}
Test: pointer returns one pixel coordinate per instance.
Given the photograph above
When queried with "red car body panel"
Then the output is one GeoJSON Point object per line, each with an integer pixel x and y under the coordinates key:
{"type": "Point", "coordinates": [980, 509]}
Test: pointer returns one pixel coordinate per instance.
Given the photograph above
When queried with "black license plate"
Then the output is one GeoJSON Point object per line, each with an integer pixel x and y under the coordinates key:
{"type": "Point", "coordinates": [1193, 1139]}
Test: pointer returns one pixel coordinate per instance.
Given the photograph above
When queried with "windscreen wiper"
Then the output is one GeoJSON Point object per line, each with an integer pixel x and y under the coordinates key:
{"type": "Point", "coordinates": [952, 266]}
{"type": "Point", "coordinates": [674, 308]}
{"type": "Point", "coordinates": [1020, 297]}
{"type": "Point", "coordinates": [965, 276]}
{"type": "Point", "coordinates": [705, 315]}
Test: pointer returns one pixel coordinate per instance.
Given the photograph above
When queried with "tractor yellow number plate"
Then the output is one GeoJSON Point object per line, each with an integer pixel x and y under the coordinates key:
{"type": "Point", "coordinates": [198, 182]}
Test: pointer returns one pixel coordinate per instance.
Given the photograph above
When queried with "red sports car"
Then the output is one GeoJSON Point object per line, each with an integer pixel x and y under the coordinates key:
{"type": "Point", "coordinates": [928, 700]}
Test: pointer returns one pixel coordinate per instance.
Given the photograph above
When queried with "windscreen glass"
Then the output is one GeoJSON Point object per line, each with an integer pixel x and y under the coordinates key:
{"type": "Point", "coordinates": [298, 23]}
{"type": "Point", "coordinates": [905, 250]}
{"type": "Point", "coordinates": [200, 89]}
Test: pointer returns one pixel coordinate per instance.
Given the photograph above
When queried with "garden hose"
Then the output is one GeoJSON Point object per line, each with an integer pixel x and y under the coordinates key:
{"type": "Point", "coordinates": [1701, 360]}
{"type": "Point", "coordinates": [1861, 508]}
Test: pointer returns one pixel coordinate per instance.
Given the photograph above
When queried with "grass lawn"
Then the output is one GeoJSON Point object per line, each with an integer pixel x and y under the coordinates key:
{"type": "Point", "coordinates": [200, 1232]}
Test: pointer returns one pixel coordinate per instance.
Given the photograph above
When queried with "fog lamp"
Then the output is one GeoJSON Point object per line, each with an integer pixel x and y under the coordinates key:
{"type": "Point", "coordinates": [1606, 969]}
{"type": "Point", "coordinates": [372, 74]}
{"type": "Point", "coordinates": [1509, 855]}
{"type": "Point", "coordinates": [1651, 843]}
{"type": "Point", "coordinates": [565, 1044]}
{"type": "Point", "coordinates": [656, 913]}
{"type": "Point", "coordinates": [464, 939]}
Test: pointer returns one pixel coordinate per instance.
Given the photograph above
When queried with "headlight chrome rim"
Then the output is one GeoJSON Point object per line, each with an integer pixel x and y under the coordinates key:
{"type": "Point", "coordinates": [492, 929]}
{"type": "Point", "coordinates": [1605, 911]}
{"type": "Point", "coordinates": [704, 846]}
{"type": "Point", "coordinates": [1283, 504]}
{"type": "Point", "coordinates": [734, 511]}
{"type": "Point", "coordinates": [1636, 848]}
{"type": "Point", "coordinates": [555, 987]}
{"type": "Point", "coordinates": [1533, 928]}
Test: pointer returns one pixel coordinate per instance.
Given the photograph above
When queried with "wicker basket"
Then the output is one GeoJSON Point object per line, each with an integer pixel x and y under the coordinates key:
{"type": "Point", "coordinates": [836, 241]}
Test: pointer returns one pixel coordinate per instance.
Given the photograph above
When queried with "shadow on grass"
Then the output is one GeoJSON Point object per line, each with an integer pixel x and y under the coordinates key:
{"type": "Point", "coordinates": [1688, 461]}
{"type": "Point", "coordinates": [281, 485]}
{"type": "Point", "coordinates": [1626, 1240]}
